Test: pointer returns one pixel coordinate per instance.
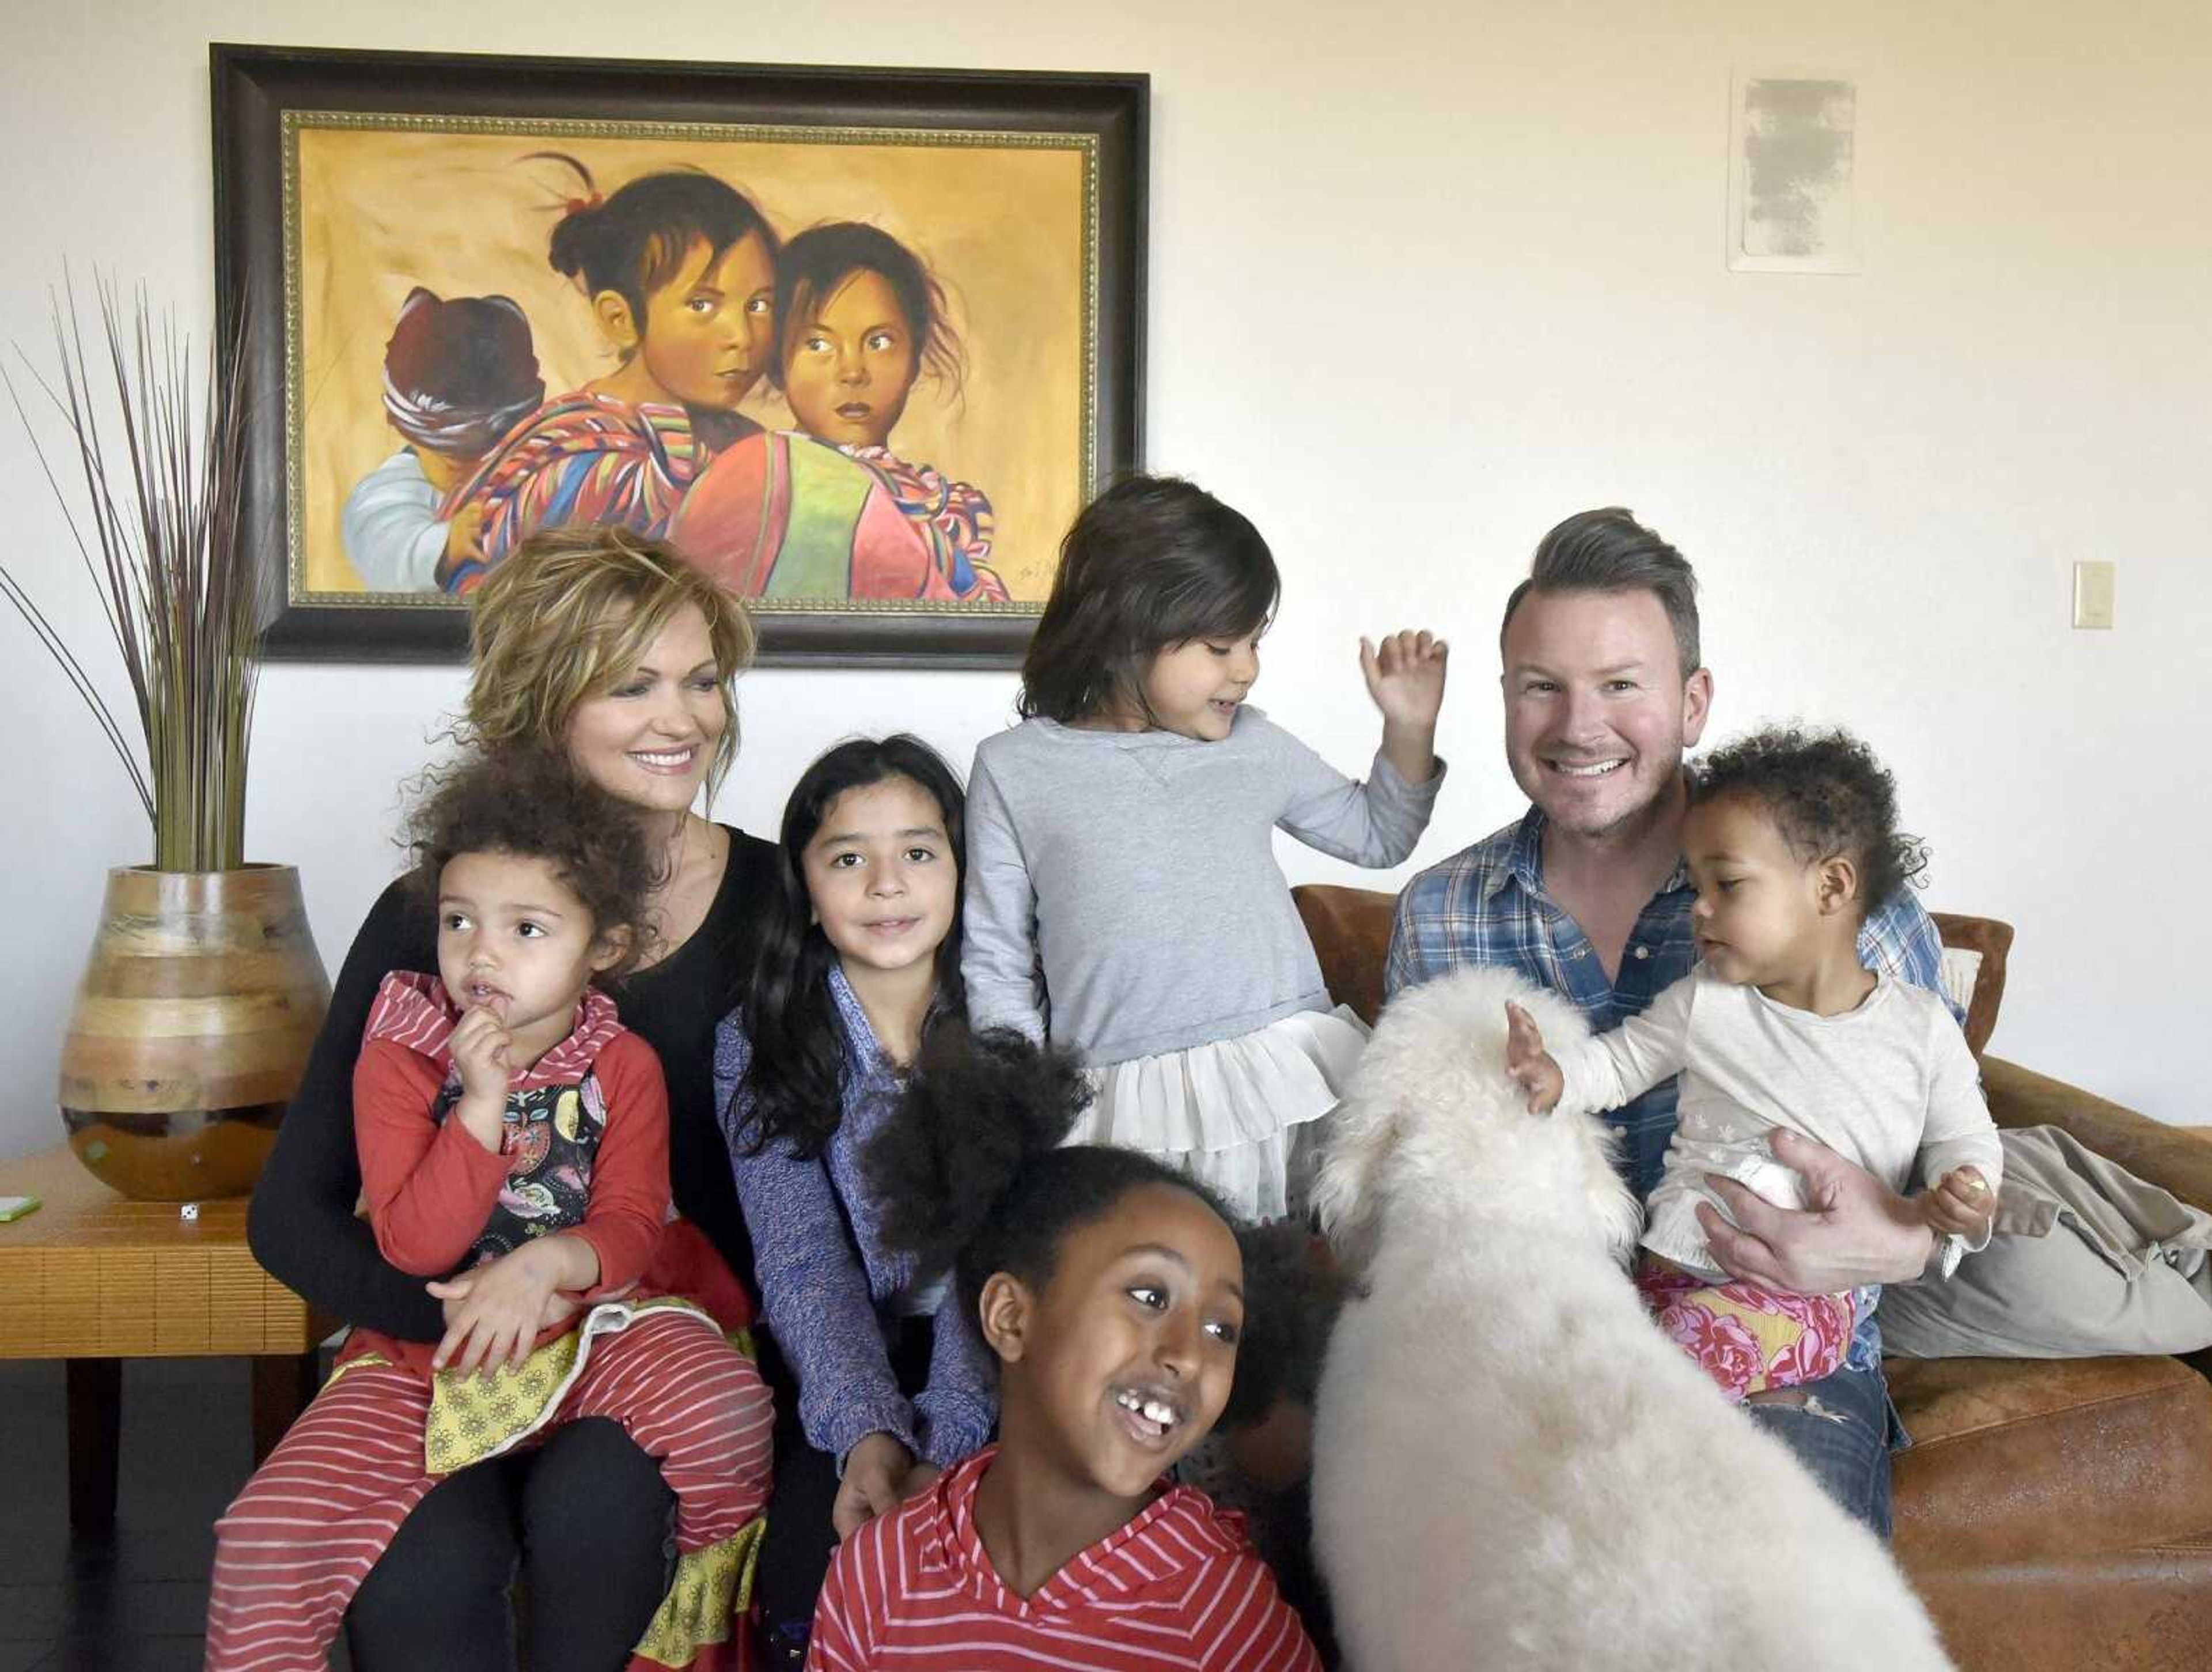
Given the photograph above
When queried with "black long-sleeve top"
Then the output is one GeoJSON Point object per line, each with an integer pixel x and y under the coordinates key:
{"type": "Point", "coordinates": [301, 1225]}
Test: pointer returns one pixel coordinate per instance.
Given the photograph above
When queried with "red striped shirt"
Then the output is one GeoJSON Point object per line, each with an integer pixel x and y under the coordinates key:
{"type": "Point", "coordinates": [1178, 1589]}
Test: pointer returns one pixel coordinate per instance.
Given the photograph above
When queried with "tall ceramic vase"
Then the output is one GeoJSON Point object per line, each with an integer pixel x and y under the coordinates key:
{"type": "Point", "coordinates": [192, 1024]}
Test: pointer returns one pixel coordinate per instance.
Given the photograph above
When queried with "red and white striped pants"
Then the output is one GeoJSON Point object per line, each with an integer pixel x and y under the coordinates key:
{"type": "Point", "coordinates": [294, 1548]}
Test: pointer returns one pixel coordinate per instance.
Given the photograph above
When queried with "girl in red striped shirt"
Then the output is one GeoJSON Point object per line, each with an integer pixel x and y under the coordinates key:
{"type": "Point", "coordinates": [1112, 1290]}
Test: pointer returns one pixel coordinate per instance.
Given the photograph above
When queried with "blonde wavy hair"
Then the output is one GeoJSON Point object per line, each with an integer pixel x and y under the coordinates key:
{"type": "Point", "coordinates": [569, 614]}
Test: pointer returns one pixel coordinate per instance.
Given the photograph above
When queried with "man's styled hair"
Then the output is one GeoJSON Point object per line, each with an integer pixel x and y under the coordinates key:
{"type": "Point", "coordinates": [1607, 551]}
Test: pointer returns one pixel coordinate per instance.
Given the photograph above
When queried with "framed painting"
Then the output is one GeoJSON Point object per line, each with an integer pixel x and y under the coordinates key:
{"type": "Point", "coordinates": [860, 342]}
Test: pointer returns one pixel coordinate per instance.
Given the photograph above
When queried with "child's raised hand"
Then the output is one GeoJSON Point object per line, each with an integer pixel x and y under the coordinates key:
{"type": "Point", "coordinates": [1406, 676]}
{"type": "Point", "coordinates": [1960, 1204]}
{"type": "Point", "coordinates": [1530, 1064]}
{"type": "Point", "coordinates": [482, 1049]}
{"type": "Point", "coordinates": [876, 1470]}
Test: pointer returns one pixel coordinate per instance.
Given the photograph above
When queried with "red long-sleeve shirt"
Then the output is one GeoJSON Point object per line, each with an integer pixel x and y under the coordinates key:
{"type": "Point", "coordinates": [1178, 1589]}
{"type": "Point", "coordinates": [431, 1186]}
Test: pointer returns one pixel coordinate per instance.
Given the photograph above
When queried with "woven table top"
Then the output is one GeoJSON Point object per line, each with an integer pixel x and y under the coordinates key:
{"type": "Point", "coordinates": [93, 1275]}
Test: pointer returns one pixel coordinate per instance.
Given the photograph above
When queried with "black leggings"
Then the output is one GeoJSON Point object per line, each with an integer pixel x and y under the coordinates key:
{"type": "Point", "coordinates": [801, 1539]}
{"type": "Point", "coordinates": [588, 1520]}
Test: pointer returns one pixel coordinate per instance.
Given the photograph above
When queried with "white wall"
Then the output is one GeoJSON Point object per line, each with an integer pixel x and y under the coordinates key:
{"type": "Point", "coordinates": [1424, 280]}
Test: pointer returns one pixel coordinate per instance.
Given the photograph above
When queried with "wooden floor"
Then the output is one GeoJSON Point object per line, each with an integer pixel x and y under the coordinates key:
{"type": "Point", "coordinates": [135, 1602]}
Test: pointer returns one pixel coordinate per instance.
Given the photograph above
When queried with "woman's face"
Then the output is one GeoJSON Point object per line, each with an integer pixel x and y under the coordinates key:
{"type": "Point", "coordinates": [707, 332]}
{"type": "Point", "coordinates": [851, 366]}
{"type": "Point", "coordinates": [650, 736]}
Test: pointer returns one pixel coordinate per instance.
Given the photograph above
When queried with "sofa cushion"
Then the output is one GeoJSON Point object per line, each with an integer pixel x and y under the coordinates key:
{"type": "Point", "coordinates": [1350, 928]}
{"type": "Point", "coordinates": [2148, 1609]}
{"type": "Point", "coordinates": [2023, 1460]}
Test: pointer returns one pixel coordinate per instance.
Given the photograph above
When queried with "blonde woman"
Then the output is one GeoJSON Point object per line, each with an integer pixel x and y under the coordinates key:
{"type": "Point", "coordinates": [613, 648]}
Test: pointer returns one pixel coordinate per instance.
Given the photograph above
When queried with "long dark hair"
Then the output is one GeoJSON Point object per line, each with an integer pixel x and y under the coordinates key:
{"type": "Point", "coordinates": [795, 1081]}
{"type": "Point", "coordinates": [1151, 563]}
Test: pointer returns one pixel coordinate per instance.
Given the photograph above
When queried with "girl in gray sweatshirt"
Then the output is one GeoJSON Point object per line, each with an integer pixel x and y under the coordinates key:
{"type": "Point", "coordinates": [1123, 898]}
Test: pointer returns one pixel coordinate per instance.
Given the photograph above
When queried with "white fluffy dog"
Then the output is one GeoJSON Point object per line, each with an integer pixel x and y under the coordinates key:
{"type": "Point", "coordinates": [1513, 1467]}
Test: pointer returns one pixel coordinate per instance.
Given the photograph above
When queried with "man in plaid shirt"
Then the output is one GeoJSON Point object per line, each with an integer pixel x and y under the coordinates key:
{"type": "Point", "coordinates": [1587, 895]}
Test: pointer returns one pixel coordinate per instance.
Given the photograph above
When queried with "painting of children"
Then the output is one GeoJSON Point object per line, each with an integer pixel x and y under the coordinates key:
{"type": "Point", "coordinates": [863, 375]}
{"type": "Point", "coordinates": [860, 321]}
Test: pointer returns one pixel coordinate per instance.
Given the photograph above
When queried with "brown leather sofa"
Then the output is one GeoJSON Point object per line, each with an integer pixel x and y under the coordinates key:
{"type": "Point", "coordinates": [2054, 1514]}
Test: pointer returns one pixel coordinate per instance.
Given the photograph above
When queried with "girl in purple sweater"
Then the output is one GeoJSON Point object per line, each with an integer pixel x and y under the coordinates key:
{"type": "Point", "coordinates": [860, 957]}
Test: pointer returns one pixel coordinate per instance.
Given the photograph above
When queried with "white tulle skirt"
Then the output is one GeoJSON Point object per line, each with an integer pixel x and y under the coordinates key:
{"type": "Point", "coordinates": [1242, 1115]}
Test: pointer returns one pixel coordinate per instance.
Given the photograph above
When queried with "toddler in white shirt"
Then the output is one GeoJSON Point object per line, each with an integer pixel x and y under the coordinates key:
{"type": "Point", "coordinates": [1790, 837]}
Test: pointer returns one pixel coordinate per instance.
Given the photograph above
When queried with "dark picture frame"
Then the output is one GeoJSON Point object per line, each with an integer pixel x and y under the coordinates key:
{"type": "Point", "coordinates": [265, 98]}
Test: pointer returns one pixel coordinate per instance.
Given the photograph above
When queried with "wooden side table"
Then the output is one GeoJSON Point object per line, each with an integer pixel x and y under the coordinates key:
{"type": "Point", "coordinates": [95, 1279]}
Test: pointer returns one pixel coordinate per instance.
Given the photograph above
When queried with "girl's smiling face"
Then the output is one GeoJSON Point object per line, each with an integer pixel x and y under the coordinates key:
{"type": "Point", "coordinates": [1194, 689]}
{"type": "Point", "coordinates": [1123, 1360]}
{"type": "Point", "coordinates": [881, 875]}
{"type": "Point", "coordinates": [709, 332]}
{"type": "Point", "coordinates": [848, 370]}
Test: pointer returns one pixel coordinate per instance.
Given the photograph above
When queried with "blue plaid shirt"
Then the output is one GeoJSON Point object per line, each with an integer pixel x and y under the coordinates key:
{"type": "Point", "coordinates": [1486, 905]}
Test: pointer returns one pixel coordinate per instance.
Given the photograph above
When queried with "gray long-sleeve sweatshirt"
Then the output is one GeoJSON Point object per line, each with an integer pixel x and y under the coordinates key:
{"type": "Point", "coordinates": [1123, 885]}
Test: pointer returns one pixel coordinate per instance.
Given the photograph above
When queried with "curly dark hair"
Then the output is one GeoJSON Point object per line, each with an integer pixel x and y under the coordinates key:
{"type": "Point", "coordinates": [1827, 795]}
{"type": "Point", "coordinates": [533, 804]}
{"type": "Point", "coordinates": [974, 1175]}
{"type": "Point", "coordinates": [795, 1078]}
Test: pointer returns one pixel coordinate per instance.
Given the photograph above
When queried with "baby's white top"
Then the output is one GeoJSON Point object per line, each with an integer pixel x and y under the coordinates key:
{"type": "Point", "coordinates": [1890, 1085]}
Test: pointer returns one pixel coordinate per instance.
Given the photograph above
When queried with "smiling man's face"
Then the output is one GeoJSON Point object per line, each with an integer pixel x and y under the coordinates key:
{"type": "Point", "coordinates": [1597, 709]}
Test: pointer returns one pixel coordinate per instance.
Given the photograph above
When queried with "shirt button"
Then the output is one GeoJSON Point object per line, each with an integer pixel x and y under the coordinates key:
{"type": "Point", "coordinates": [1643, 952]}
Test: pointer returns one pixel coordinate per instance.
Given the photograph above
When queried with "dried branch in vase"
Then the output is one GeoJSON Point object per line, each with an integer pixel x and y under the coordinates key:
{"type": "Point", "coordinates": [165, 538]}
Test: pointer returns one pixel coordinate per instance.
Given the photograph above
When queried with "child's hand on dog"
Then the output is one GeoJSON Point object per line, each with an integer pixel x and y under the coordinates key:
{"type": "Point", "coordinates": [1528, 1061]}
{"type": "Point", "coordinates": [1960, 1204]}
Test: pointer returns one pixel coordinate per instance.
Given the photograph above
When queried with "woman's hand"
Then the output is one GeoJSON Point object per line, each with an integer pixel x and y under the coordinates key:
{"type": "Point", "coordinates": [876, 1470]}
{"type": "Point", "coordinates": [559, 1308]}
{"type": "Point", "coordinates": [495, 1311]}
{"type": "Point", "coordinates": [1532, 1068]}
{"type": "Point", "coordinates": [1405, 675]}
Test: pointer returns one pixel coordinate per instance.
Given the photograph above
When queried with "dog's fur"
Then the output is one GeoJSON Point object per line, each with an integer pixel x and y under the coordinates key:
{"type": "Point", "coordinates": [1513, 1467]}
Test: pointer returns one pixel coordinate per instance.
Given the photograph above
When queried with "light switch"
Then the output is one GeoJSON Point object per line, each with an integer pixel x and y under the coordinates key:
{"type": "Point", "coordinates": [2093, 595]}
